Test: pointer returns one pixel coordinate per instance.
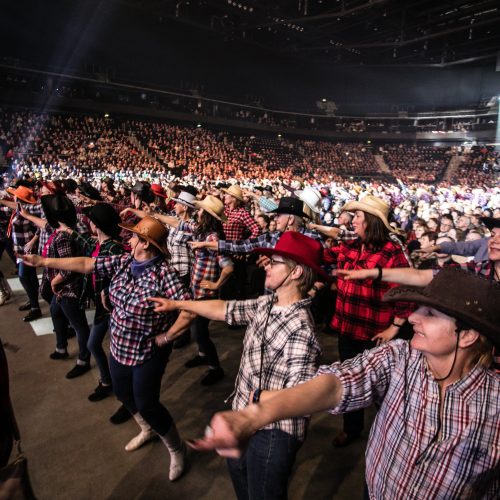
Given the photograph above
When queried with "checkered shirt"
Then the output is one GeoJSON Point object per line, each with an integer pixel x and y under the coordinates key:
{"type": "Point", "coordinates": [360, 312]}
{"type": "Point", "coordinates": [180, 252]}
{"type": "Point", "coordinates": [206, 264]}
{"type": "Point", "coordinates": [240, 224]}
{"type": "Point", "coordinates": [417, 449]}
{"type": "Point", "coordinates": [134, 324]}
{"type": "Point", "coordinates": [61, 246]}
{"type": "Point", "coordinates": [22, 229]}
{"type": "Point", "coordinates": [267, 204]}
{"type": "Point", "coordinates": [291, 352]}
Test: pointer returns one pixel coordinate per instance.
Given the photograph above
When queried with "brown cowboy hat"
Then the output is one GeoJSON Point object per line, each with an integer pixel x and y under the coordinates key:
{"type": "Point", "coordinates": [152, 230]}
{"type": "Point", "coordinates": [23, 193]}
{"type": "Point", "coordinates": [213, 206]}
{"type": "Point", "coordinates": [460, 294]}
{"type": "Point", "coordinates": [374, 206]}
{"type": "Point", "coordinates": [234, 191]}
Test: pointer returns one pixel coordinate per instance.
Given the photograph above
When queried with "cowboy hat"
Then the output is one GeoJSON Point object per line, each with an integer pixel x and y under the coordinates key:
{"type": "Point", "coordinates": [490, 222]}
{"type": "Point", "coordinates": [299, 248]}
{"type": "Point", "coordinates": [185, 198]}
{"type": "Point", "coordinates": [59, 208]}
{"type": "Point", "coordinates": [463, 295]}
{"type": "Point", "coordinates": [152, 230]}
{"type": "Point", "coordinates": [105, 217]}
{"type": "Point", "coordinates": [23, 193]}
{"type": "Point", "coordinates": [213, 206]}
{"type": "Point", "coordinates": [143, 190]}
{"type": "Point", "coordinates": [86, 189]}
{"type": "Point", "coordinates": [311, 197]}
{"type": "Point", "coordinates": [374, 206]}
{"type": "Point", "coordinates": [234, 191]}
{"type": "Point", "coordinates": [158, 191]}
{"type": "Point", "coordinates": [291, 206]}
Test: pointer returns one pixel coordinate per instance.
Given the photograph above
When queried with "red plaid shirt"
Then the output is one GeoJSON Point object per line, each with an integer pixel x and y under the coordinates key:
{"type": "Point", "coordinates": [359, 311]}
{"type": "Point", "coordinates": [240, 225]}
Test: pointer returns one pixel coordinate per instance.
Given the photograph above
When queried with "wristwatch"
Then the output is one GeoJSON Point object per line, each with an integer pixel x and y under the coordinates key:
{"type": "Point", "coordinates": [256, 395]}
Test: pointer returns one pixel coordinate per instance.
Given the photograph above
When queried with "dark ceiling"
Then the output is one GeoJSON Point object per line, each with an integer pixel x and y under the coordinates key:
{"type": "Point", "coordinates": [440, 33]}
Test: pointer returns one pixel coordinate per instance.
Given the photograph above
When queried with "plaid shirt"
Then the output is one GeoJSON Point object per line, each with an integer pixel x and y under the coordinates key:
{"type": "Point", "coordinates": [240, 224]}
{"type": "Point", "coordinates": [61, 246]}
{"type": "Point", "coordinates": [180, 252]}
{"type": "Point", "coordinates": [418, 449]}
{"type": "Point", "coordinates": [264, 240]}
{"type": "Point", "coordinates": [134, 324]}
{"type": "Point", "coordinates": [206, 264]}
{"type": "Point", "coordinates": [22, 230]}
{"type": "Point", "coordinates": [359, 311]}
{"type": "Point", "coordinates": [291, 351]}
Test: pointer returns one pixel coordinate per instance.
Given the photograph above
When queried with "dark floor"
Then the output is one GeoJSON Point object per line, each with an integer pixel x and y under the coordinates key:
{"type": "Point", "coordinates": [74, 452]}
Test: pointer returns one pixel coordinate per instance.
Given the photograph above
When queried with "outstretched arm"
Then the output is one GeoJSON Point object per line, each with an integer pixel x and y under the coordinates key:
{"type": "Point", "coordinates": [399, 275]}
{"type": "Point", "coordinates": [229, 431]}
{"type": "Point", "coordinates": [84, 265]}
{"type": "Point", "coordinates": [38, 221]}
{"type": "Point", "coordinates": [211, 309]}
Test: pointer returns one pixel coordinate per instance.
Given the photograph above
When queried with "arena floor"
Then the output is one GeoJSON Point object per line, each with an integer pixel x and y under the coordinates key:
{"type": "Point", "coordinates": [74, 452]}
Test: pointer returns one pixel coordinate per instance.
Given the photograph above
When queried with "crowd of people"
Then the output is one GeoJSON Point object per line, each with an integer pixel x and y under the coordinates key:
{"type": "Point", "coordinates": [162, 229]}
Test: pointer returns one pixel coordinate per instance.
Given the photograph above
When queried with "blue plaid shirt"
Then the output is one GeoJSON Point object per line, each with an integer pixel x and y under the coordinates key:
{"type": "Point", "coordinates": [134, 324]}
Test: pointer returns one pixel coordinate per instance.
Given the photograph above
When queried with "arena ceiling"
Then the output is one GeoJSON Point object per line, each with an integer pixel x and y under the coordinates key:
{"type": "Point", "coordinates": [443, 33]}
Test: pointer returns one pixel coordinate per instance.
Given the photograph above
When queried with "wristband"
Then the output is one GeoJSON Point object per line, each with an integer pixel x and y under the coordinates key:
{"type": "Point", "coordinates": [256, 396]}
{"type": "Point", "coordinates": [165, 339]}
{"type": "Point", "coordinates": [396, 325]}
{"type": "Point", "coordinates": [379, 275]}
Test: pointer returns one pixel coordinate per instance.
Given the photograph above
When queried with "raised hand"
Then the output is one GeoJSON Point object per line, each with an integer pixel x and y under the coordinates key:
{"type": "Point", "coordinates": [209, 285]}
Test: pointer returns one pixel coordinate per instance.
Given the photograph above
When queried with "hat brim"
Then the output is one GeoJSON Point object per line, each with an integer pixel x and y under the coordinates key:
{"type": "Point", "coordinates": [279, 211]}
{"type": "Point", "coordinates": [161, 195]}
{"type": "Point", "coordinates": [269, 252]}
{"type": "Point", "coordinates": [314, 209]}
{"type": "Point", "coordinates": [232, 194]}
{"type": "Point", "coordinates": [416, 295]}
{"type": "Point", "coordinates": [352, 206]}
{"type": "Point", "coordinates": [109, 227]}
{"type": "Point", "coordinates": [12, 192]}
{"type": "Point", "coordinates": [183, 202]}
{"type": "Point", "coordinates": [490, 222]}
{"type": "Point", "coordinates": [54, 216]}
{"type": "Point", "coordinates": [130, 227]}
{"type": "Point", "coordinates": [199, 204]}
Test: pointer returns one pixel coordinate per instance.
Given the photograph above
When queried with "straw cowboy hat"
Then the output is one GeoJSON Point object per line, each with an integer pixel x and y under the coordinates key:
{"type": "Point", "coordinates": [299, 248]}
{"type": "Point", "coordinates": [311, 197]}
{"type": "Point", "coordinates": [234, 191]}
{"type": "Point", "coordinates": [374, 206]}
{"type": "Point", "coordinates": [213, 206]}
{"type": "Point", "coordinates": [460, 294]}
{"type": "Point", "coordinates": [23, 193]}
{"type": "Point", "coordinates": [151, 230]}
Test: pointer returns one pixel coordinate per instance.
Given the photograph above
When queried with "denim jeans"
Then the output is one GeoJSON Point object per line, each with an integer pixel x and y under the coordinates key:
{"type": "Point", "coordinates": [262, 473]}
{"type": "Point", "coordinates": [29, 280]}
{"type": "Point", "coordinates": [138, 388]}
{"type": "Point", "coordinates": [6, 245]}
{"type": "Point", "coordinates": [199, 330]}
{"type": "Point", "coordinates": [97, 334]}
{"type": "Point", "coordinates": [349, 348]}
{"type": "Point", "coordinates": [65, 312]}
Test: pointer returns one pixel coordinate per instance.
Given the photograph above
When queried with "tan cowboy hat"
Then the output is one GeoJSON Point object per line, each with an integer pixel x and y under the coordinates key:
{"type": "Point", "coordinates": [23, 193]}
{"type": "Point", "coordinates": [235, 191]}
{"type": "Point", "coordinates": [152, 230]}
{"type": "Point", "coordinates": [374, 206]}
{"type": "Point", "coordinates": [213, 206]}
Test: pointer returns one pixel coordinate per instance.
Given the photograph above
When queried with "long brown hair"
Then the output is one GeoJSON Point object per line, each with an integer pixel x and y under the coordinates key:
{"type": "Point", "coordinates": [376, 233]}
{"type": "Point", "coordinates": [209, 224]}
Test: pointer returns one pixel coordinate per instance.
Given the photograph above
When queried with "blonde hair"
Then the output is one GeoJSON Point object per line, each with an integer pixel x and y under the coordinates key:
{"type": "Point", "coordinates": [482, 352]}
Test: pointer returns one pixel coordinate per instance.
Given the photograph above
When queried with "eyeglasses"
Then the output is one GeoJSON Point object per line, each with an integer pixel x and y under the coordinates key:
{"type": "Point", "coordinates": [273, 262]}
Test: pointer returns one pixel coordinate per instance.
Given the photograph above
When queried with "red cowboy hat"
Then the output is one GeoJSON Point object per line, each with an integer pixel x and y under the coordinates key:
{"type": "Point", "coordinates": [299, 248]}
{"type": "Point", "coordinates": [158, 191]}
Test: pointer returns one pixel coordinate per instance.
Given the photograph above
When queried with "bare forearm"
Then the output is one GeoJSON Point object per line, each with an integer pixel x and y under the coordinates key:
{"type": "Point", "coordinates": [224, 275]}
{"type": "Point", "coordinates": [8, 203]}
{"type": "Point", "coordinates": [181, 324]}
{"type": "Point", "coordinates": [407, 276]}
{"type": "Point", "coordinates": [84, 265]}
{"type": "Point", "coordinates": [38, 221]}
{"type": "Point", "coordinates": [168, 220]}
{"type": "Point", "coordinates": [211, 309]}
{"type": "Point", "coordinates": [320, 393]}
{"type": "Point", "coordinates": [332, 232]}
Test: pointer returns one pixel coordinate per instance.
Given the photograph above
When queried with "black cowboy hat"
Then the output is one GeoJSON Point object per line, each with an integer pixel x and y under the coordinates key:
{"type": "Point", "coordinates": [69, 185]}
{"type": "Point", "coordinates": [59, 208]}
{"type": "Point", "coordinates": [105, 217]}
{"type": "Point", "coordinates": [143, 190]}
{"type": "Point", "coordinates": [463, 295]}
{"type": "Point", "coordinates": [490, 222]}
{"type": "Point", "coordinates": [86, 189]}
{"type": "Point", "coordinates": [291, 206]}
